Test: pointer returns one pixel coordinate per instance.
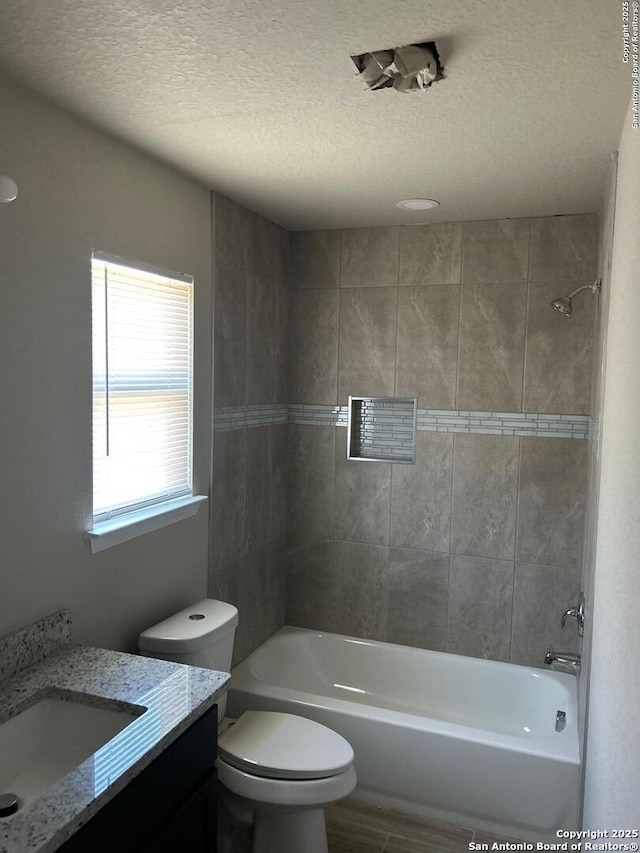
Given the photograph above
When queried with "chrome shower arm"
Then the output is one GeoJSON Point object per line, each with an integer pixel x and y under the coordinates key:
{"type": "Point", "coordinates": [594, 288]}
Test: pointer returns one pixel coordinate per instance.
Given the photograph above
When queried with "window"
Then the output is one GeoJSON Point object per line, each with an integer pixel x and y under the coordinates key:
{"type": "Point", "coordinates": [142, 393]}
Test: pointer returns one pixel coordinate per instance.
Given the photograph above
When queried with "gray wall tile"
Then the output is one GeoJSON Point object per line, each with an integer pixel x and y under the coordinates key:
{"type": "Point", "coordinates": [485, 482]}
{"type": "Point", "coordinates": [226, 578]}
{"type": "Point", "coordinates": [281, 342]}
{"type": "Point", "coordinates": [250, 307]}
{"type": "Point", "coordinates": [427, 352]}
{"type": "Point", "coordinates": [277, 586]}
{"type": "Point", "coordinates": [253, 604]}
{"type": "Point", "coordinates": [315, 259]}
{"type": "Point", "coordinates": [310, 476]}
{"type": "Point", "coordinates": [367, 354]}
{"type": "Point", "coordinates": [553, 474]}
{"type": "Point", "coordinates": [255, 585]}
{"type": "Point", "coordinates": [313, 352]}
{"type": "Point", "coordinates": [480, 602]}
{"type": "Point", "coordinates": [362, 497]}
{"type": "Point", "coordinates": [309, 571]}
{"type": "Point", "coordinates": [268, 344]}
{"type": "Point", "coordinates": [259, 488]}
{"type": "Point", "coordinates": [370, 257]}
{"type": "Point", "coordinates": [360, 593]}
{"type": "Point", "coordinates": [271, 250]}
{"type": "Point", "coordinates": [559, 351]}
{"type": "Point", "coordinates": [430, 254]}
{"type": "Point", "coordinates": [495, 250]}
{"type": "Point", "coordinates": [359, 599]}
{"type": "Point", "coordinates": [230, 324]}
{"type": "Point", "coordinates": [541, 595]}
{"type": "Point", "coordinates": [261, 355]}
{"type": "Point", "coordinates": [563, 247]}
{"type": "Point", "coordinates": [228, 498]}
{"type": "Point", "coordinates": [418, 599]}
{"type": "Point", "coordinates": [233, 234]}
{"type": "Point", "coordinates": [245, 584]}
{"type": "Point", "coordinates": [249, 467]}
{"type": "Point", "coordinates": [492, 323]}
{"type": "Point", "coordinates": [421, 495]}
{"type": "Point", "coordinates": [278, 448]}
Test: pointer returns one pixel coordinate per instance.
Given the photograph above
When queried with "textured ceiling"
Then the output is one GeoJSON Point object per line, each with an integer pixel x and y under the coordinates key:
{"type": "Point", "coordinates": [258, 99]}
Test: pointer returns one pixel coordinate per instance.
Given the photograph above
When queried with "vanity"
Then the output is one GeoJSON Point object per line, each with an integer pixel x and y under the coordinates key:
{"type": "Point", "coordinates": [105, 750]}
{"type": "Point", "coordinates": [169, 806]}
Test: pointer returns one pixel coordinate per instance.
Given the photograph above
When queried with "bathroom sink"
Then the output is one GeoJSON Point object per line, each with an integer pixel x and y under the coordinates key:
{"type": "Point", "coordinates": [39, 746]}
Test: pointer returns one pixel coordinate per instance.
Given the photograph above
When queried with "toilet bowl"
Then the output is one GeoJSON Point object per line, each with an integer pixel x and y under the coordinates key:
{"type": "Point", "coordinates": [278, 769]}
{"type": "Point", "coordinates": [285, 769]}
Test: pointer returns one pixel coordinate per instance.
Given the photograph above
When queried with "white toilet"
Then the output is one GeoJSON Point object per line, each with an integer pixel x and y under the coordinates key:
{"type": "Point", "coordinates": [282, 768]}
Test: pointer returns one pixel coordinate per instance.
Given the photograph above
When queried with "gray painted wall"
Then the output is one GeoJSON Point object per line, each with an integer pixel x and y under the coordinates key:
{"type": "Point", "coordinates": [612, 783]}
{"type": "Point", "coordinates": [81, 190]}
{"type": "Point", "coordinates": [605, 245]}
{"type": "Point", "coordinates": [477, 548]}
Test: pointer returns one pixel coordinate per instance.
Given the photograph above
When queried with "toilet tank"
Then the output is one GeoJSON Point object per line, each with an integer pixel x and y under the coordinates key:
{"type": "Point", "coordinates": [200, 635]}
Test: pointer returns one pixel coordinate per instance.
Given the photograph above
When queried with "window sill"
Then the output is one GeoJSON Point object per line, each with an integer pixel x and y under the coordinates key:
{"type": "Point", "coordinates": [106, 534]}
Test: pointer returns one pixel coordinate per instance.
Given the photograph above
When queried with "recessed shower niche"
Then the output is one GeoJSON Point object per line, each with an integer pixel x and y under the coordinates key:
{"type": "Point", "coordinates": [382, 429]}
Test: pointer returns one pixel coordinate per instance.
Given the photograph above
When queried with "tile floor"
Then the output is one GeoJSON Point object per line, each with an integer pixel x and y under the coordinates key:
{"type": "Point", "coordinates": [355, 827]}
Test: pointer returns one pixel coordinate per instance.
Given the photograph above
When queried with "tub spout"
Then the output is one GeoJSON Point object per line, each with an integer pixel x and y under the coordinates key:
{"type": "Point", "coordinates": [563, 661]}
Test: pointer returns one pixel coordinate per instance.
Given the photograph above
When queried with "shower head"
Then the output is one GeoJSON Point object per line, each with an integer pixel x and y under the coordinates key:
{"type": "Point", "coordinates": [564, 305]}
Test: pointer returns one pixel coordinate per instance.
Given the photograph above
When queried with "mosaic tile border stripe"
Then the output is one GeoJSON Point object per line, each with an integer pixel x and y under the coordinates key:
{"type": "Point", "coordinates": [250, 416]}
{"type": "Point", "coordinates": [429, 420]}
{"type": "Point", "coordinates": [319, 415]}
{"type": "Point", "coordinates": [467, 422]}
{"type": "Point", "coordinates": [504, 423]}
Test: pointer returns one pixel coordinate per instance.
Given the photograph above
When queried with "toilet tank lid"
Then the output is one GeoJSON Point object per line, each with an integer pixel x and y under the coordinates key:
{"type": "Point", "coordinates": [191, 629]}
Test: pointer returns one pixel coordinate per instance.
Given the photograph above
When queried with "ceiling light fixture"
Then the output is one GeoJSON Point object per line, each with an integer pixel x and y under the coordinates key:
{"type": "Point", "coordinates": [417, 203]}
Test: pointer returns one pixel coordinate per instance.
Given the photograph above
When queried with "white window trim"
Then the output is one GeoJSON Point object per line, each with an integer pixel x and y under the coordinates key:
{"type": "Point", "coordinates": [141, 266]}
{"type": "Point", "coordinates": [106, 534]}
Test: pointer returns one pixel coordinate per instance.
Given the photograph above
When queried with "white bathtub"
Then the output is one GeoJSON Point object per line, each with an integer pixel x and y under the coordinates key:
{"type": "Point", "coordinates": [449, 737]}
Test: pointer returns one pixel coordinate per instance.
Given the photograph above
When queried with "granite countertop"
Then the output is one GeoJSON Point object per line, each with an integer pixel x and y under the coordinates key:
{"type": "Point", "coordinates": [175, 696]}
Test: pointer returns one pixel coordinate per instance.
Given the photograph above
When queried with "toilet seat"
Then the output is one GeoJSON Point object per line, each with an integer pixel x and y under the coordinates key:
{"type": "Point", "coordinates": [279, 746]}
{"type": "Point", "coordinates": [286, 794]}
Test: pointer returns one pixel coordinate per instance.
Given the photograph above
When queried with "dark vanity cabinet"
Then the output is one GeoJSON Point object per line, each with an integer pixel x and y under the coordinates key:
{"type": "Point", "coordinates": [169, 807]}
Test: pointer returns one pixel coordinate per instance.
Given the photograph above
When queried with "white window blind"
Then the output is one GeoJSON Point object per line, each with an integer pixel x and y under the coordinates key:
{"type": "Point", "coordinates": [142, 386]}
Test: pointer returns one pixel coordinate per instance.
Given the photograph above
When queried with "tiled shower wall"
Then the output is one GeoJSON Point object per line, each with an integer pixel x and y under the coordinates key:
{"type": "Point", "coordinates": [250, 374]}
{"type": "Point", "coordinates": [477, 549]}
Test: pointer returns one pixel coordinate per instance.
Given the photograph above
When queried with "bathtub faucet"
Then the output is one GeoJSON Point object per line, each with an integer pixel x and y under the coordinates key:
{"type": "Point", "coordinates": [563, 661]}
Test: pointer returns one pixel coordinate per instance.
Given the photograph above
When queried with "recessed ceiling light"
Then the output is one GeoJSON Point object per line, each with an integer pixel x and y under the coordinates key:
{"type": "Point", "coordinates": [8, 189]}
{"type": "Point", "coordinates": [417, 203]}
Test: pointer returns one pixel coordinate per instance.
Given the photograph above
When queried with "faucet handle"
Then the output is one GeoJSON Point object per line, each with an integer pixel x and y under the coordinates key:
{"type": "Point", "coordinates": [576, 613]}
{"type": "Point", "coordinates": [572, 611]}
